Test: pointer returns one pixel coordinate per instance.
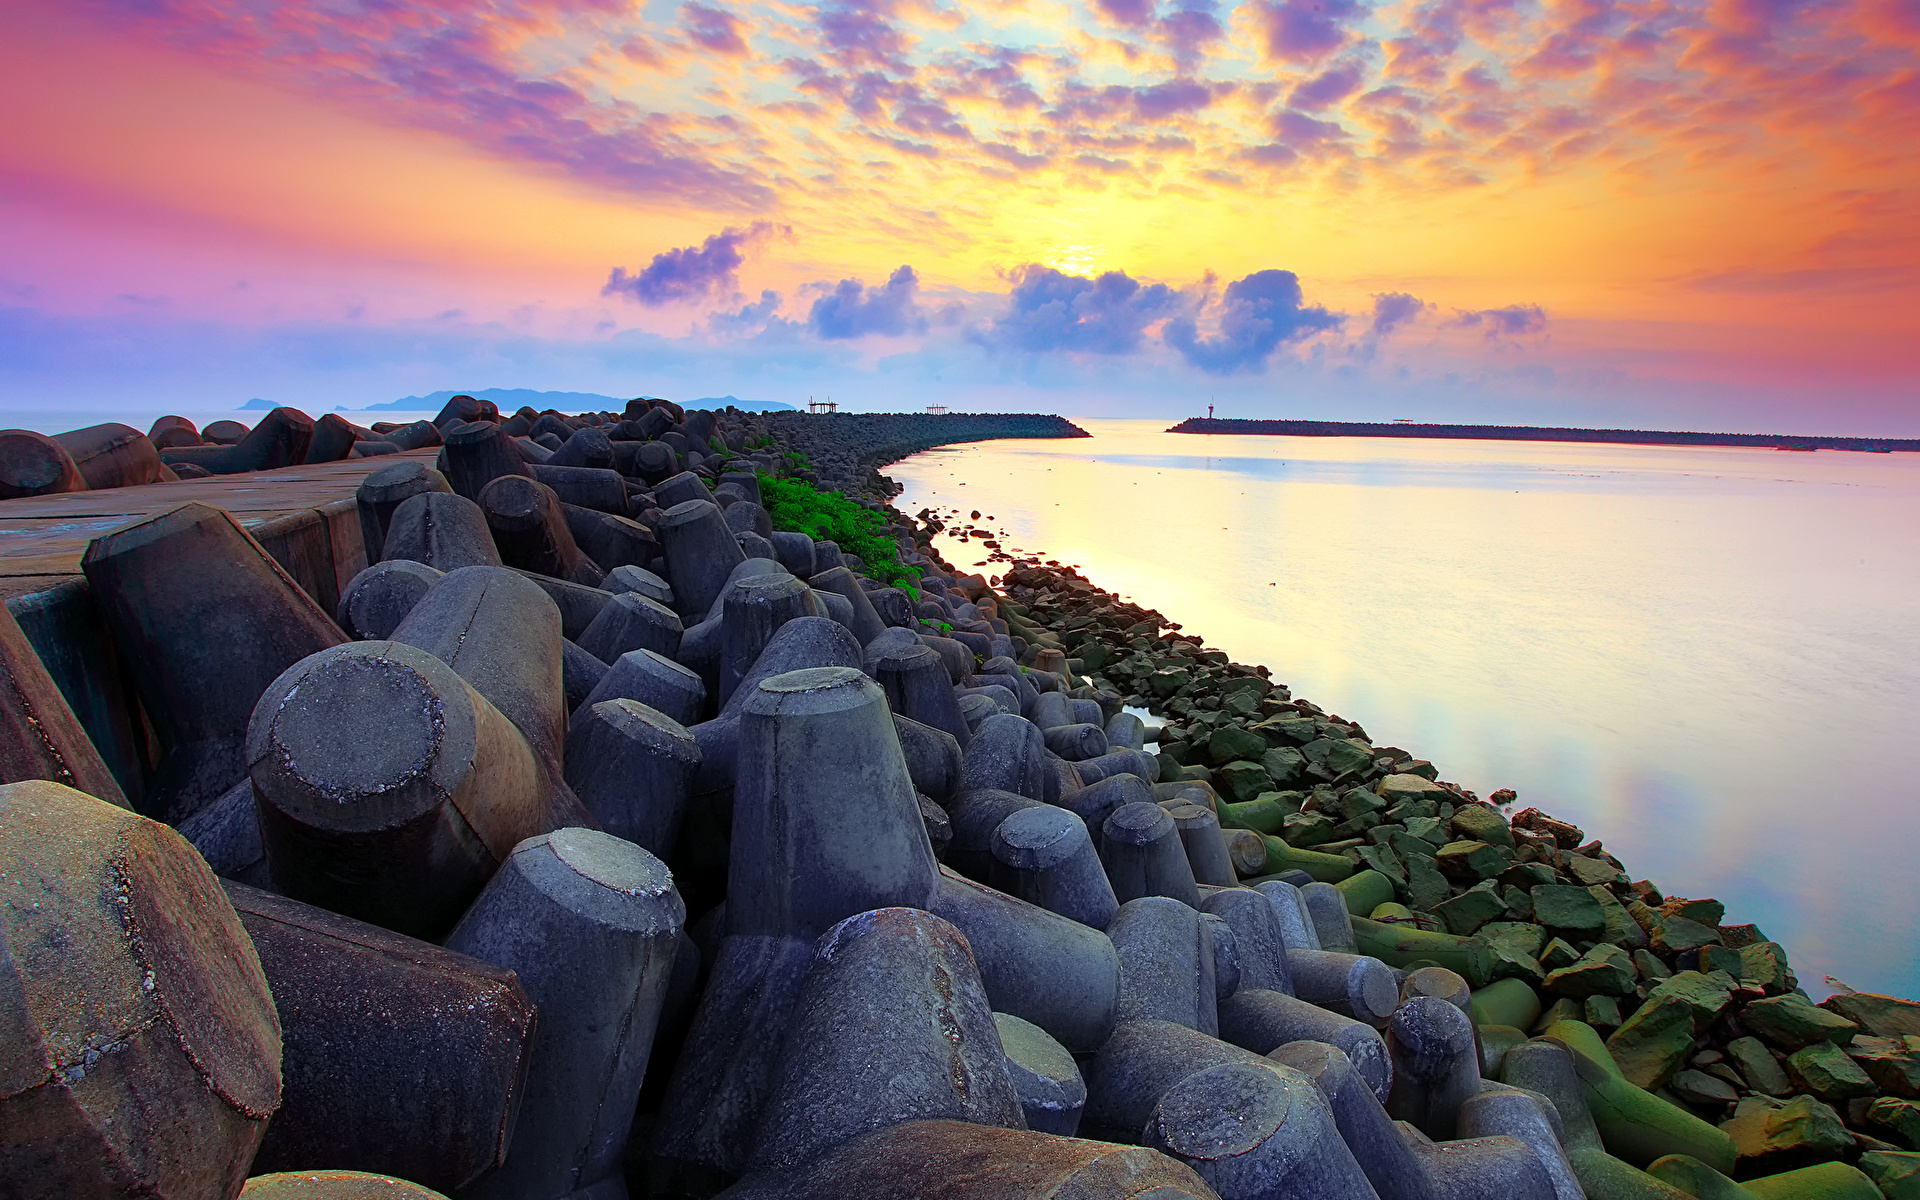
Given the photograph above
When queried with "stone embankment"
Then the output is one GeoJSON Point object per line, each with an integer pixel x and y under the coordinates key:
{"type": "Point", "coordinates": [606, 840]}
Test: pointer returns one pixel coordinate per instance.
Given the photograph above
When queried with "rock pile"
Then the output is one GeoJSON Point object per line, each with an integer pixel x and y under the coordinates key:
{"type": "Point", "coordinates": [608, 841]}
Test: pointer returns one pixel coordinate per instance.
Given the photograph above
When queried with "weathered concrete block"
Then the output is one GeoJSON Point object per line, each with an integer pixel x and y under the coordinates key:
{"type": "Point", "coordinates": [590, 923]}
{"type": "Point", "coordinates": [400, 1058]}
{"type": "Point", "coordinates": [923, 1046]}
{"type": "Point", "coordinates": [206, 620]}
{"type": "Point", "coordinates": [389, 789]}
{"type": "Point", "coordinates": [140, 1046]}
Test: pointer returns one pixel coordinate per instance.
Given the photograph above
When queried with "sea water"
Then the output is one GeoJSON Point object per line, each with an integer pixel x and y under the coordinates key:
{"type": "Point", "coordinates": [1707, 657]}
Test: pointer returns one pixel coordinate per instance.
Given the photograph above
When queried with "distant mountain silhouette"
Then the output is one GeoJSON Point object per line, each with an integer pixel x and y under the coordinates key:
{"type": "Point", "coordinates": [258, 405]}
{"type": "Point", "coordinates": [509, 399]}
{"type": "Point", "coordinates": [742, 405]}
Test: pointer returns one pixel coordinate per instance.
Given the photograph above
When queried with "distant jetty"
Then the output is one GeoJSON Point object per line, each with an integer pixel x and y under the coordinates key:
{"type": "Point", "coordinates": [1533, 433]}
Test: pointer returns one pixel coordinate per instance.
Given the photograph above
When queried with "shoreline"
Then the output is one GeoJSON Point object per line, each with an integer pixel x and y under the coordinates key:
{"type": "Point", "coordinates": [1530, 433]}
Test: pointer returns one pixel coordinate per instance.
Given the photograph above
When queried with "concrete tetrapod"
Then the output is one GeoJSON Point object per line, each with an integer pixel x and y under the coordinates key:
{"type": "Point", "coordinates": [752, 611]}
{"type": "Point", "coordinates": [1262, 953]}
{"type": "Point", "coordinates": [1257, 1133]}
{"type": "Point", "coordinates": [475, 454]}
{"type": "Point", "coordinates": [956, 1160]}
{"type": "Point", "coordinates": [442, 530]}
{"type": "Point", "coordinates": [139, 1048]}
{"type": "Point", "coordinates": [531, 532]}
{"type": "Point", "coordinates": [917, 687]}
{"type": "Point", "coordinates": [1098, 801]}
{"type": "Point", "coordinates": [655, 681]}
{"type": "Point", "coordinates": [975, 815]}
{"type": "Point", "coordinates": [1546, 1067]}
{"type": "Point", "coordinates": [632, 766]}
{"type": "Point", "coordinates": [334, 1185]}
{"type": "Point", "coordinates": [1403, 1166]}
{"type": "Point", "coordinates": [1205, 847]}
{"type": "Point", "coordinates": [932, 756]}
{"type": "Point", "coordinates": [891, 1025]}
{"type": "Point", "coordinates": [631, 622]}
{"type": "Point", "coordinates": [501, 633]}
{"type": "Point", "coordinates": [700, 552]}
{"type": "Point", "coordinates": [842, 582]}
{"type": "Point", "coordinates": [1141, 848]}
{"type": "Point", "coordinates": [114, 455]}
{"type": "Point", "coordinates": [580, 673]}
{"type": "Point", "coordinates": [40, 738]}
{"type": "Point", "coordinates": [1436, 1067]}
{"type": "Point", "coordinates": [33, 464]}
{"type": "Point", "coordinates": [383, 491]}
{"type": "Point", "coordinates": [1035, 964]}
{"type": "Point", "coordinates": [1635, 1124]}
{"type": "Point", "coordinates": [824, 821]}
{"type": "Point", "coordinates": [1045, 857]}
{"type": "Point", "coordinates": [590, 924]}
{"type": "Point", "coordinates": [634, 579]}
{"type": "Point", "coordinates": [1140, 1063]}
{"type": "Point", "coordinates": [279, 440]}
{"type": "Point", "coordinates": [333, 439]}
{"type": "Point", "coordinates": [1005, 754]}
{"type": "Point", "coordinates": [801, 643]}
{"type": "Point", "coordinates": [825, 825]}
{"type": "Point", "coordinates": [205, 620]}
{"type": "Point", "coordinates": [379, 598]}
{"type": "Point", "coordinates": [389, 789]}
{"type": "Point", "coordinates": [578, 604]}
{"type": "Point", "coordinates": [1166, 964]}
{"type": "Point", "coordinates": [1352, 985]}
{"type": "Point", "coordinates": [1502, 1111]}
{"type": "Point", "coordinates": [400, 1057]}
{"type": "Point", "coordinates": [1824, 1181]}
{"type": "Point", "coordinates": [1332, 921]}
{"type": "Point", "coordinates": [1045, 1077]}
{"type": "Point", "coordinates": [1260, 1020]}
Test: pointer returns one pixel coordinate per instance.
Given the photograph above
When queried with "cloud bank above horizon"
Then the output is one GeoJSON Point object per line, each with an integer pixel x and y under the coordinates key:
{"type": "Point", "coordinates": [1631, 211]}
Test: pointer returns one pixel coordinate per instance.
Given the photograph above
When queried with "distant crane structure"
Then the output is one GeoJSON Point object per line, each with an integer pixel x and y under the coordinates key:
{"type": "Point", "coordinates": [821, 406]}
{"type": "Point", "coordinates": [938, 410]}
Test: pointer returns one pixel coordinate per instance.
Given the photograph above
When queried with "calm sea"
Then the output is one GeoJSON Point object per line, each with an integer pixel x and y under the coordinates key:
{"type": "Point", "coordinates": [1708, 658]}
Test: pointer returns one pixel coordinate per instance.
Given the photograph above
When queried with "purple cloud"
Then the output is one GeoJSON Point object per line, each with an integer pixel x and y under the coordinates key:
{"type": "Point", "coordinates": [1301, 31]}
{"type": "Point", "coordinates": [714, 28]}
{"type": "Point", "coordinates": [1129, 14]}
{"type": "Point", "coordinates": [1391, 310]}
{"type": "Point", "coordinates": [852, 310]}
{"type": "Point", "coordinates": [1513, 321]}
{"type": "Point", "coordinates": [1261, 312]}
{"type": "Point", "coordinates": [1328, 88]}
{"type": "Point", "coordinates": [687, 272]}
{"type": "Point", "coordinates": [1050, 310]}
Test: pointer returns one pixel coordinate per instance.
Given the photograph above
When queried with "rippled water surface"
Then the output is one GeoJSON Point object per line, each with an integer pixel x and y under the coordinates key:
{"type": "Point", "coordinates": [1707, 657]}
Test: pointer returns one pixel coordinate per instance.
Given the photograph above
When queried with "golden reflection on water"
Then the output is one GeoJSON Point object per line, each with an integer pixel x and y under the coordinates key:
{"type": "Point", "coordinates": [1707, 657]}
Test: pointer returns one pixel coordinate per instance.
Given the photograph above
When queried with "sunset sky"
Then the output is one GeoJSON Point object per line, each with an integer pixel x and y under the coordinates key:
{"type": "Point", "coordinates": [1665, 213]}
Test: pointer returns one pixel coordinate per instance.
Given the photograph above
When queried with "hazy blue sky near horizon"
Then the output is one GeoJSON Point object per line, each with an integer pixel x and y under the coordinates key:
{"type": "Point", "coordinates": [1693, 213]}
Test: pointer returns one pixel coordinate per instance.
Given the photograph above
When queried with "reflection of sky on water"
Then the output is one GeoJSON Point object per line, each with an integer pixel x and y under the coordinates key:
{"type": "Point", "coordinates": [1708, 656]}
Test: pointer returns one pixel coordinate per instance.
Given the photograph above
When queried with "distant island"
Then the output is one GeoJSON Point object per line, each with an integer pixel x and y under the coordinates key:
{"type": "Point", "coordinates": [1532, 433]}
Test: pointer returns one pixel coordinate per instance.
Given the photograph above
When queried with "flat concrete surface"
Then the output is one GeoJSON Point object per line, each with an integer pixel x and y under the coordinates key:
{"type": "Point", "coordinates": [43, 537]}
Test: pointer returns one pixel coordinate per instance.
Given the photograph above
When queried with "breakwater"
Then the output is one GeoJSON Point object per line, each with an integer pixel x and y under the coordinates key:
{"type": "Point", "coordinates": [580, 852]}
{"type": "Point", "coordinates": [1531, 433]}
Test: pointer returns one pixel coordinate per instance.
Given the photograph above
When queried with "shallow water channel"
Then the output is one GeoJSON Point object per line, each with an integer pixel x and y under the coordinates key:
{"type": "Point", "coordinates": [1707, 657]}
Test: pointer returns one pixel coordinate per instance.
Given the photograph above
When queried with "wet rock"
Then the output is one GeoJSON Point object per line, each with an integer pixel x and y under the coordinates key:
{"type": "Point", "coordinates": [1605, 970]}
{"type": "Point", "coordinates": [1776, 1135]}
{"type": "Point", "coordinates": [1792, 1021]}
